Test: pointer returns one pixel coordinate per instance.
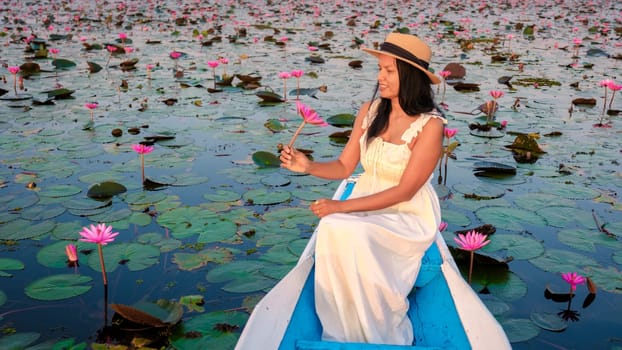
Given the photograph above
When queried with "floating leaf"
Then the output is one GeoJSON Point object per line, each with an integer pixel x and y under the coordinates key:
{"type": "Point", "coordinates": [548, 321]}
{"type": "Point", "coordinates": [105, 190]}
{"type": "Point", "coordinates": [269, 96]}
{"type": "Point", "coordinates": [274, 125]}
{"type": "Point", "coordinates": [60, 94]}
{"type": "Point", "coordinates": [341, 120]}
{"type": "Point", "coordinates": [9, 264]}
{"type": "Point", "coordinates": [262, 196]}
{"type": "Point", "coordinates": [193, 261]}
{"type": "Point", "coordinates": [161, 314]}
{"type": "Point", "coordinates": [519, 329]}
{"type": "Point", "coordinates": [61, 63]}
{"type": "Point", "coordinates": [559, 261]}
{"type": "Point", "coordinates": [516, 246]}
{"type": "Point", "coordinates": [93, 67]}
{"type": "Point", "coordinates": [58, 287]}
{"type": "Point", "coordinates": [18, 341]}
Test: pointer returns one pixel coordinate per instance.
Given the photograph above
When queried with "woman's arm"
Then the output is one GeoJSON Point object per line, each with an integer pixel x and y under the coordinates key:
{"type": "Point", "coordinates": [423, 160]}
{"type": "Point", "coordinates": [340, 168]}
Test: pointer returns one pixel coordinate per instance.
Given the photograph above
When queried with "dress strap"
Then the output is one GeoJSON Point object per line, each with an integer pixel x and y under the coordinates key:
{"type": "Point", "coordinates": [416, 126]}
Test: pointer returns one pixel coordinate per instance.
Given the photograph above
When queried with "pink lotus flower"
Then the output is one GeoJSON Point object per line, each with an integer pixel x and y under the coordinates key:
{"type": "Point", "coordinates": [14, 70]}
{"type": "Point", "coordinates": [442, 226]}
{"type": "Point", "coordinates": [449, 133]}
{"type": "Point", "coordinates": [223, 60]}
{"type": "Point", "coordinates": [496, 94]}
{"type": "Point", "coordinates": [142, 150]}
{"type": "Point", "coordinates": [285, 76]}
{"type": "Point", "coordinates": [297, 73]}
{"type": "Point", "coordinates": [149, 67]}
{"type": "Point", "coordinates": [444, 73]}
{"type": "Point", "coordinates": [212, 64]}
{"type": "Point", "coordinates": [91, 106]}
{"type": "Point", "coordinates": [100, 235]}
{"type": "Point", "coordinates": [111, 48]}
{"type": "Point", "coordinates": [308, 116]}
{"type": "Point", "coordinates": [128, 49]}
{"type": "Point", "coordinates": [72, 253]}
{"type": "Point", "coordinates": [312, 48]}
{"type": "Point", "coordinates": [471, 241]}
{"type": "Point", "coordinates": [122, 36]}
{"type": "Point", "coordinates": [54, 51]}
{"type": "Point", "coordinates": [573, 279]}
{"type": "Point", "coordinates": [504, 124]}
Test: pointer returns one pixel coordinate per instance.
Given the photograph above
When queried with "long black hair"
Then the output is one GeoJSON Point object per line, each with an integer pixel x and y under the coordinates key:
{"type": "Point", "coordinates": [415, 97]}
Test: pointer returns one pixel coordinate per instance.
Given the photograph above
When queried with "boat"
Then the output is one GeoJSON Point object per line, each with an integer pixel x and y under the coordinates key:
{"type": "Point", "coordinates": [445, 311]}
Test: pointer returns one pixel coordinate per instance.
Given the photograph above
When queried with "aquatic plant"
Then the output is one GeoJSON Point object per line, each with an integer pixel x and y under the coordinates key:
{"type": "Point", "coordinates": [142, 150]}
{"type": "Point", "coordinates": [285, 76]}
{"type": "Point", "coordinates": [471, 241]}
{"type": "Point", "coordinates": [101, 235]}
{"type": "Point", "coordinates": [308, 116]}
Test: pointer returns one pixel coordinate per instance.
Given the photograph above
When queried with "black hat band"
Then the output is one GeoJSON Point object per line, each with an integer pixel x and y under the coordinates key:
{"type": "Point", "coordinates": [400, 52]}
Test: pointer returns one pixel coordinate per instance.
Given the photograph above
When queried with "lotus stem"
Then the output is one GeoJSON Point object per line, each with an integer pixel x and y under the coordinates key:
{"type": "Point", "coordinates": [142, 167]}
{"type": "Point", "coordinates": [291, 142]}
{"type": "Point", "coordinates": [471, 266]}
{"type": "Point", "coordinates": [15, 83]}
{"type": "Point", "coordinates": [101, 261]}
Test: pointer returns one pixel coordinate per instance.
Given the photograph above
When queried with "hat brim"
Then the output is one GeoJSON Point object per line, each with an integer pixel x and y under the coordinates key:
{"type": "Point", "coordinates": [433, 78]}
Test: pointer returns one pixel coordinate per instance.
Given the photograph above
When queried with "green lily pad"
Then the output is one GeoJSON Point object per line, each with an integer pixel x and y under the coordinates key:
{"type": "Point", "coordinates": [105, 190]}
{"type": "Point", "coordinates": [24, 229]}
{"type": "Point", "coordinates": [135, 256]}
{"type": "Point", "coordinates": [537, 200]}
{"type": "Point", "coordinates": [58, 287]}
{"type": "Point", "coordinates": [519, 329]}
{"type": "Point", "coordinates": [560, 216]}
{"type": "Point", "coordinates": [274, 125]}
{"type": "Point", "coordinates": [262, 196]}
{"type": "Point", "coordinates": [9, 264]}
{"type": "Point", "coordinates": [587, 239]}
{"type": "Point", "coordinates": [508, 218]}
{"type": "Point", "coordinates": [223, 196]}
{"type": "Point", "coordinates": [255, 284]}
{"type": "Point", "coordinates": [18, 340]}
{"type": "Point", "coordinates": [238, 269]}
{"type": "Point", "coordinates": [558, 261]}
{"type": "Point", "coordinates": [163, 313]}
{"type": "Point", "coordinates": [58, 191]}
{"type": "Point", "coordinates": [61, 63]}
{"type": "Point", "coordinates": [206, 333]}
{"type": "Point", "coordinates": [549, 321]}
{"type": "Point", "coordinates": [217, 230]}
{"type": "Point", "coordinates": [266, 159]}
{"type": "Point", "coordinates": [187, 221]}
{"type": "Point", "coordinates": [3, 299]}
{"type": "Point", "coordinates": [516, 246]}
{"type": "Point", "coordinates": [41, 212]}
{"type": "Point", "coordinates": [60, 94]}
{"type": "Point", "coordinates": [341, 120]}
{"type": "Point", "coordinates": [608, 279]}
{"type": "Point", "coordinates": [193, 261]}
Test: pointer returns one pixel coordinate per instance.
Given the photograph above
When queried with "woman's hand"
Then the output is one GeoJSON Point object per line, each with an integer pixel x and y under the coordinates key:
{"type": "Point", "coordinates": [294, 160]}
{"type": "Point", "coordinates": [323, 207]}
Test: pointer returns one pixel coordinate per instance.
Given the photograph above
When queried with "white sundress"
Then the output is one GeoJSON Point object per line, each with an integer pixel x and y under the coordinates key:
{"type": "Point", "coordinates": [367, 262]}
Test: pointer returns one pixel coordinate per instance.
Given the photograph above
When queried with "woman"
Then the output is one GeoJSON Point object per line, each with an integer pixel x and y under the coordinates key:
{"type": "Point", "coordinates": [369, 247]}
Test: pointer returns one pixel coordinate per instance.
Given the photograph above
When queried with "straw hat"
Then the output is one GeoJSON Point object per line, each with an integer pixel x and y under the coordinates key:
{"type": "Point", "coordinates": [408, 48]}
